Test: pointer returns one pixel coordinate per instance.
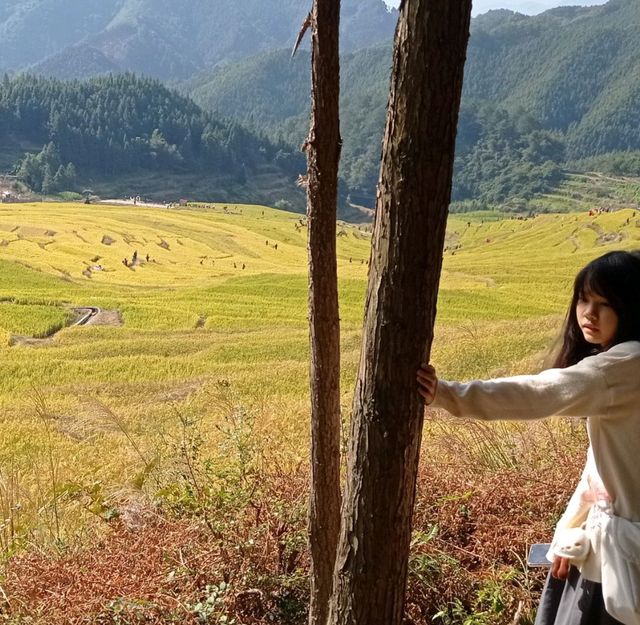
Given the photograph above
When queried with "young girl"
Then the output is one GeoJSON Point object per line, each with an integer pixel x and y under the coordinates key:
{"type": "Point", "coordinates": [597, 376]}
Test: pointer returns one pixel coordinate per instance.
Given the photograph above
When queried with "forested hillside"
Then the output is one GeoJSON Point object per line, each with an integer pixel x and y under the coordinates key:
{"type": "Point", "coordinates": [76, 62]}
{"type": "Point", "coordinates": [575, 69]}
{"type": "Point", "coordinates": [270, 92]}
{"type": "Point", "coordinates": [167, 39]}
{"type": "Point", "coordinates": [540, 93]}
{"type": "Point", "coordinates": [498, 152]}
{"type": "Point", "coordinates": [119, 124]}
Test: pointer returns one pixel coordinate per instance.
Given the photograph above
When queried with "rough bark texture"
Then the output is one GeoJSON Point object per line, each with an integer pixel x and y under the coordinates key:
{"type": "Point", "coordinates": [411, 211]}
{"type": "Point", "coordinates": [323, 155]}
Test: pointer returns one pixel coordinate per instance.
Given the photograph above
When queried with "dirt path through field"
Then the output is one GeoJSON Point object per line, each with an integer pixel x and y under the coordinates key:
{"type": "Point", "coordinates": [88, 316]}
{"type": "Point", "coordinates": [106, 318]}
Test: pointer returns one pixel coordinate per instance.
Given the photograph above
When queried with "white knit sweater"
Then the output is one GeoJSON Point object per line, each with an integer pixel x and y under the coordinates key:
{"type": "Point", "coordinates": [604, 388]}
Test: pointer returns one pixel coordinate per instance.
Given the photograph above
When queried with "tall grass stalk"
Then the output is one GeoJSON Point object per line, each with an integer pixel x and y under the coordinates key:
{"type": "Point", "coordinates": [44, 416]}
{"type": "Point", "coordinates": [10, 508]}
{"type": "Point", "coordinates": [110, 416]}
{"type": "Point", "coordinates": [497, 445]}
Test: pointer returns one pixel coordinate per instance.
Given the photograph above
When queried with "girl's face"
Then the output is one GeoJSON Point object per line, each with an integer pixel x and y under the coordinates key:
{"type": "Point", "coordinates": [597, 319]}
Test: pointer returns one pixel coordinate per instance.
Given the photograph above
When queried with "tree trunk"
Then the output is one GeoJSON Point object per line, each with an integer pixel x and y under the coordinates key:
{"type": "Point", "coordinates": [323, 155]}
{"type": "Point", "coordinates": [411, 211]}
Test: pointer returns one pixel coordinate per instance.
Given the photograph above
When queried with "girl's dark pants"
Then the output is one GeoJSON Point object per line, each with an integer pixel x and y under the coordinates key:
{"type": "Point", "coordinates": [576, 601]}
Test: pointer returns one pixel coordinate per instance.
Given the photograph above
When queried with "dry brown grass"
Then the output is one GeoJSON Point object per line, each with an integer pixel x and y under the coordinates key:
{"type": "Point", "coordinates": [153, 568]}
{"type": "Point", "coordinates": [473, 525]}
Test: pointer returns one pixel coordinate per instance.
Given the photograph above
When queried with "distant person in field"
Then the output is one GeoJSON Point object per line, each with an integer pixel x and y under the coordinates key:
{"type": "Point", "coordinates": [596, 376]}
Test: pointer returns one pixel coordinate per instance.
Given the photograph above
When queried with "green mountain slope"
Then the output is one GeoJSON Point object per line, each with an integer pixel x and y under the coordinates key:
{"type": "Point", "coordinates": [539, 91]}
{"type": "Point", "coordinates": [541, 94]}
{"type": "Point", "coordinates": [271, 92]}
{"type": "Point", "coordinates": [497, 151]}
{"type": "Point", "coordinates": [168, 39]}
{"type": "Point", "coordinates": [574, 69]}
{"type": "Point", "coordinates": [32, 30]}
{"type": "Point", "coordinates": [75, 62]}
{"type": "Point", "coordinates": [116, 126]}
{"type": "Point", "coordinates": [265, 90]}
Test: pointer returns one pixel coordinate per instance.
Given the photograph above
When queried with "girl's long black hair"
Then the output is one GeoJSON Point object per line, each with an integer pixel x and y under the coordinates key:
{"type": "Point", "coordinates": [616, 277]}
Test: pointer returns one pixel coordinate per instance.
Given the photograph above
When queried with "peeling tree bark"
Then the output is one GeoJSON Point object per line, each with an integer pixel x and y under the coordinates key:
{"type": "Point", "coordinates": [323, 155]}
{"type": "Point", "coordinates": [414, 192]}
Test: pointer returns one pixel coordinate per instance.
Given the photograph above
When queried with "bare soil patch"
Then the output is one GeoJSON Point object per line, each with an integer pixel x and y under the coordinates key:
{"type": "Point", "coordinates": [106, 318]}
{"type": "Point", "coordinates": [29, 341]}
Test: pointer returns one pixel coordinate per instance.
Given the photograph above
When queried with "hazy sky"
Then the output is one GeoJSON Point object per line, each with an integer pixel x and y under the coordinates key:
{"type": "Point", "coordinates": [530, 7]}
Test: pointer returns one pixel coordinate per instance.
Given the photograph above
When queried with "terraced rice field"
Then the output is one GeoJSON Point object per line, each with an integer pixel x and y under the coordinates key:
{"type": "Point", "coordinates": [212, 315]}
